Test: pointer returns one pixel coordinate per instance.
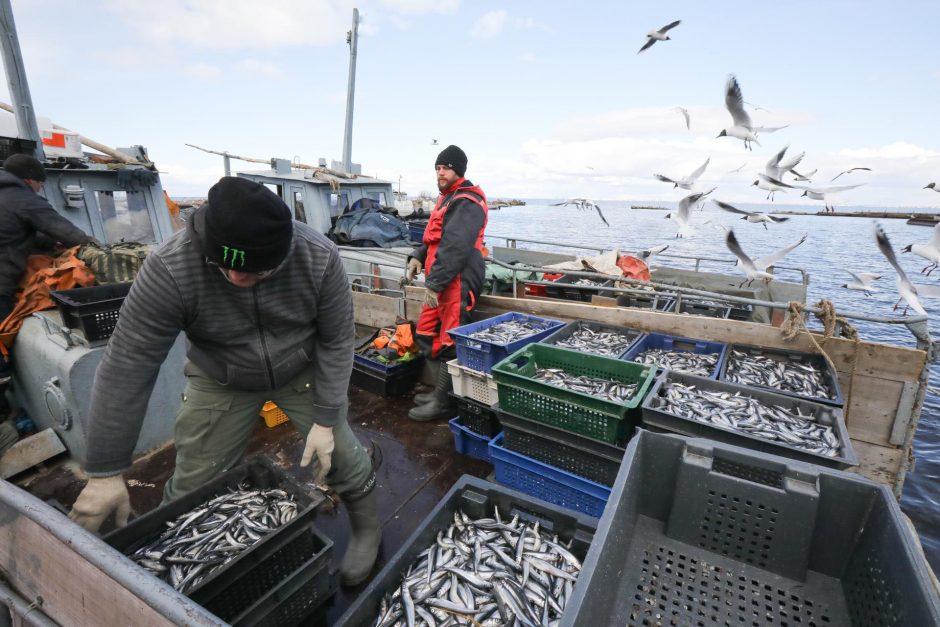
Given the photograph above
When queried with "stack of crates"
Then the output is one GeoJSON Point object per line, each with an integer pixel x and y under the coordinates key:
{"type": "Point", "coordinates": [561, 445]}
{"type": "Point", "coordinates": [474, 388]}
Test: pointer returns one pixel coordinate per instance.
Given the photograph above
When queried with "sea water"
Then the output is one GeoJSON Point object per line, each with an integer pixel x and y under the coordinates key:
{"type": "Point", "coordinates": [834, 245]}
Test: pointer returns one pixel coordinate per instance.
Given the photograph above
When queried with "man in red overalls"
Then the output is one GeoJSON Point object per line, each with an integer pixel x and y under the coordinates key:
{"type": "Point", "coordinates": [452, 258]}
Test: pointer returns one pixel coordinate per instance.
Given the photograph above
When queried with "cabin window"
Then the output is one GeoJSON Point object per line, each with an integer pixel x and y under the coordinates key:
{"type": "Point", "coordinates": [338, 203]}
{"type": "Point", "coordinates": [380, 198]}
{"type": "Point", "coordinates": [125, 217]}
{"type": "Point", "coordinates": [299, 213]}
{"type": "Point", "coordinates": [274, 188]}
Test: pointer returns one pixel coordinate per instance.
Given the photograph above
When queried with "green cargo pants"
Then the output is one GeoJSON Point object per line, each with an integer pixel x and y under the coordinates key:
{"type": "Point", "coordinates": [215, 422]}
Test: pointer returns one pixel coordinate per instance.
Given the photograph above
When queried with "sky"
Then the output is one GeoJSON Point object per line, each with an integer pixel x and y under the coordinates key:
{"type": "Point", "coordinates": [548, 99]}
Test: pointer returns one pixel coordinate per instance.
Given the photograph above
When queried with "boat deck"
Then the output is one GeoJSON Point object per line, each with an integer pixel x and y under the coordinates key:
{"type": "Point", "coordinates": [415, 463]}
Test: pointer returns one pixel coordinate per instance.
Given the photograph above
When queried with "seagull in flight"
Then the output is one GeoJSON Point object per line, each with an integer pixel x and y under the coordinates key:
{"type": "Point", "coordinates": [681, 215]}
{"type": "Point", "coordinates": [862, 281]}
{"type": "Point", "coordinates": [658, 35]}
{"type": "Point", "coordinates": [643, 255]}
{"type": "Point", "coordinates": [847, 172]}
{"type": "Point", "coordinates": [744, 262]}
{"type": "Point", "coordinates": [768, 129]}
{"type": "Point", "coordinates": [825, 194]}
{"type": "Point", "coordinates": [804, 177]}
{"type": "Point", "coordinates": [434, 142]}
{"type": "Point", "coordinates": [687, 182]}
{"type": "Point", "coordinates": [685, 114]}
{"type": "Point", "coordinates": [776, 168]}
{"type": "Point", "coordinates": [751, 216]}
{"type": "Point", "coordinates": [929, 251]}
{"type": "Point", "coordinates": [932, 186]}
{"type": "Point", "coordinates": [910, 293]}
{"type": "Point", "coordinates": [738, 169]}
{"type": "Point", "coordinates": [768, 261]}
{"type": "Point", "coordinates": [582, 203]}
{"type": "Point", "coordinates": [771, 185]}
{"type": "Point", "coordinates": [742, 128]}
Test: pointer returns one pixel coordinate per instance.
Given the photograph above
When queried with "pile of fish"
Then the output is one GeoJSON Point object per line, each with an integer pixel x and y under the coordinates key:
{"type": "Point", "coordinates": [508, 331]}
{"type": "Point", "coordinates": [682, 361]}
{"type": "Point", "coordinates": [598, 342]}
{"type": "Point", "coordinates": [586, 281]}
{"type": "Point", "coordinates": [786, 375]}
{"type": "Point", "coordinates": [203, 539]}
{"type": "Point", "coordinates": [485, 572]}
{"type": "Point", "coordinates": [606, 389]}
{"type": "Point", "coordinates": [749, 416]}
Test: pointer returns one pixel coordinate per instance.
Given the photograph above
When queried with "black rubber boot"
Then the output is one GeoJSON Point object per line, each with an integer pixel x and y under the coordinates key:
{"type": "Point", "coordinates": [364, 540]}
{"type": "Point", "coordinates": [434, 365]}
{"type": "Point", "coordinates": [441, 404]}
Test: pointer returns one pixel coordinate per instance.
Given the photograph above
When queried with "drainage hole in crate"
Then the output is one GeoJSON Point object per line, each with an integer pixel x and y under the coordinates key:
{"type": "Point", "coordinates": [871, 596]}
{"type": "Point", "coordinates": [757, 475]}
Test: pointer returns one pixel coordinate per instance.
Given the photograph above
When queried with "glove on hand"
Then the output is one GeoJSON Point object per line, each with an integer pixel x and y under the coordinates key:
{"type": "Point", "coordinates": [413, 268]}
{"type": "Point", "coordinates": [430, 298]}
{"type": "Point", "coordinates": [101, 496]}
{"type": "Point", "coordinates": [319, 443]}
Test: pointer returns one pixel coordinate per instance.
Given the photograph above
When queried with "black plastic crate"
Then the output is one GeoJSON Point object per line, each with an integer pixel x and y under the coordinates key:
{"type": "Point", "coordinates": [740, 312]}
{"type": "Point", "coordinates": [92, 310]}
{"type": "Point", "coordinates": [571, 328]}
{"type": "Point", "coordinates": [828, 415]}
{"type": "Point", "coordinates": [395, 381]}
{"type": "Point", "coordinates": [591, 459]}
{"type": "Point", "coordinates": [476, 416]}
{"type": "Point", "coordinates": [236, 587]}
{"type": "Point", "coordinates": [652, 300]}
{"type": "Point", "coordinates": [819, 362]}
{"type": "Point", "coordinates": [702, 308]}
{"type": "Point", "coordinates": [295, 599]}
{"type": "Point", "coordinates": [702, 533]}
{"type": "Point", "coordinates": [566, 289]}
{"type": "Point", "coordinates": [477, 499]}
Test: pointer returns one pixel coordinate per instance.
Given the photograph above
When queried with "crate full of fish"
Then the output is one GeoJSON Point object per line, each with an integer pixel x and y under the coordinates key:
{"type": "Point", "coordinates": [476, 416]}
{"type": "Point", "coordinates": [481, 345]}
{"type": "Point", "coordinates": [597, 338]}
{"type": "Point", "coordinates": [577, 288]}
{"type": "Point", "coordinates": [702, 307]}
{"type": "Point", "coordinates": [597, 397]}
{"type": "Point", "coordinates": [788, 372]}
{"type": "Point", "coordinates": [682, 354]}
{"type": "Point", "coordinates": [468, 442]}
{"type": "Point", "coordinates": [703, 533]}
{"type": "Point", "coordinates": [472, 384]}
{"type": "Point", "coordinates": [757, 419]}
{"type": "Point", "coordinates": [485, 552]}
{"type": "Point", "coordinates": [236, 545]}
{"type": "Point", "coordinates": [581, 456]}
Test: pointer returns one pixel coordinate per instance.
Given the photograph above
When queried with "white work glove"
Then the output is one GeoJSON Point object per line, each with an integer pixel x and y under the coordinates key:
{"type": "Point", "coordinates": [101, 496]}
{"type": "Point", "coordinates": [413, 269]}
{"type": "Point", "coordinates": [319, 443]}
{"type": "Point", "coordinates": [430, 298]}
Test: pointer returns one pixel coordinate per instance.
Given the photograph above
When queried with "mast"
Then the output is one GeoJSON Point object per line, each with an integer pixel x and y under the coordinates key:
{"type": "Point", "coordinates": [26, 126]}
{"type": "Point", "coordinates": [352, 38]}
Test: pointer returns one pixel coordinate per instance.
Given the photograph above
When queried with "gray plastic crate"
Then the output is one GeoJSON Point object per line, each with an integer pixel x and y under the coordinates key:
{"type": "Point", "coordinates": [701, 533]}
{"type": "Point", "coordinates": [819, 362]}
{"type": "Point", "coordinates": [631, 335]}
{"type": "Point", "coordinates": [828, 415]}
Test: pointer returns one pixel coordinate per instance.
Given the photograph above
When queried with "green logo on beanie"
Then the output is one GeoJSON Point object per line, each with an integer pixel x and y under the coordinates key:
{"type": "Point", "coordinates": [237, 255]}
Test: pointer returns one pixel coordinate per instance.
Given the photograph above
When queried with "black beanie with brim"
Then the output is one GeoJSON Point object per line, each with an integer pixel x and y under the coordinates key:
{"type": "Point", "coordinates": [454, 158]}
{"type": "Point", "coordinates": [247, 226]}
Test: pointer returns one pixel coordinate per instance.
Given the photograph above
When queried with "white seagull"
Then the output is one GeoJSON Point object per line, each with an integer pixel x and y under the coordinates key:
{"type": "Point", "coordinates": [932, 186]}
{"type": "Point", "coordinates": [850, 170]}
{"type": "Point", "coordinates": [658, 35]}
{"type": "Point", "coordinates": [681, 215]}
{"type": "Point", "coordinates": [825, 194]}
{"type": "Point", "coordinates": [685, 114]}
{"type": "Point", "coordinates": [768, 261]}
{"type": "Point", "coordinates": [686, 182]}
{"type": "Point", "coordinates": [649, 252]}
{"type": "Point", "coordinates": [862, 282]}
{"type": "Point", "coordinates": [929, 251]}
{"type": "Point", "coordinates": [768, 129]}
{"type": "Point", "coordinates": [909, 293]}
{"type": "Point", "coordinates": [777, 167]}
{"type": "Point", "coordinates": [744, 262]}
{"type": "Point", "coordinates": [582, 203]}
{"type": "Point", "coordinates": [751, 216]}
{"type": "Point", "coordinates": [804, 177]}
{"type": "Point", "coordinates": [771, 185]}
{"type": "Point", "coordinates": [742, 128]}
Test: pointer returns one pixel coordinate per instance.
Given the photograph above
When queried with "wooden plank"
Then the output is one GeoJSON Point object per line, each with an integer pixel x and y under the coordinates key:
{"type": "Point", "coordinates": [30, 451]}
{"type": "Point", "coordinates": [881, 360]}
{"type": "Point", "coordinates": [374, 311]}
{"type": "Point", "coordinates": [881, 464]}
{"type": "Point", "coordinates": [873, 407]}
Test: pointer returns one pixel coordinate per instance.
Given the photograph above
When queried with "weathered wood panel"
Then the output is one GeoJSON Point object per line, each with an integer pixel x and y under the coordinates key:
{"type": "Point", "coordinates": [873, 407]}
{"type": "Point", "coordinates": [878, 463]}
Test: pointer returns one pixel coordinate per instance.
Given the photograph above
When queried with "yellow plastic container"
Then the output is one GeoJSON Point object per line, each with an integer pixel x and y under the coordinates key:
{"type": "Point", "coordinates": [273, 415]}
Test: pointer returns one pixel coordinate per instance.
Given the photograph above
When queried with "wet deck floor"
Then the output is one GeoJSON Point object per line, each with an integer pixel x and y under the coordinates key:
{"type": "Point", "coordinates": [416, 465]}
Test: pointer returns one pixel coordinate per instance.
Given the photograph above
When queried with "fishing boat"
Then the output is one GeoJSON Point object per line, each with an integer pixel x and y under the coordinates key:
{"type": "Point", "coordinates": [56, 573]}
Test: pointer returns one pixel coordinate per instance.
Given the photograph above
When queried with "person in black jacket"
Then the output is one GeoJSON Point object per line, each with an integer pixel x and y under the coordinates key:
{"type": "Point", "coordinates": [452, 258]}
{"type": "Point", "coordinates": [27, 223]}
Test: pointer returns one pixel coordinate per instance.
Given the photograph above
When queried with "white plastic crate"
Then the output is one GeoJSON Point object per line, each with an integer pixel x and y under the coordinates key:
{"type": "Point", "coordinates": [472, 384]}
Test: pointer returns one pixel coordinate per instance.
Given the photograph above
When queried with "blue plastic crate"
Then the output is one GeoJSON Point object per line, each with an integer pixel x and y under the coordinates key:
{"type": "Point", "coordinates": [547, 482]}
{"type": "Point", "coordinates": [378, 366]}
{"type": "Point", "coordinates": [674, 343]}
{"type": "Point", "coordinates": [481, 355]}
{"type": "Point", "coordinates": [468, 442]}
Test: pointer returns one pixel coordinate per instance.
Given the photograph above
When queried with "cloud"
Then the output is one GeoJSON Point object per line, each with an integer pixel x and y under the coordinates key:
{"type": "Point", "coordinates": [202, 71]}
{"type": "Point", "coordinates": [528, 57]}
{"type": "Point", "coordinates": [489, 25]}
{"type": "Point", "coordinates": [264, 68]}
{"type": "Point", "coordinates": [417, 7]}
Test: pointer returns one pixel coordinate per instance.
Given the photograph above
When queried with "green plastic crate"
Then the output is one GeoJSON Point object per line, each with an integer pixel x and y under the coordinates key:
{"type": "Point", "coordinates": [586, 415]}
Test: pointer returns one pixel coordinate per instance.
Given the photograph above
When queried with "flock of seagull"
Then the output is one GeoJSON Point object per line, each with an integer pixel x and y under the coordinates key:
{"type": "Point", "coordinates": [772, 180]}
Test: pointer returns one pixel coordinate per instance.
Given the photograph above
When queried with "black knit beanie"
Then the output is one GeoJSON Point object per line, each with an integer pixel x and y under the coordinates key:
{"type": "Point", "coordinates": [25, 167]}
{"type": "Point", "coordinates": [454, 158]}
{"type": "Point", "coordinates": [248, 227]}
